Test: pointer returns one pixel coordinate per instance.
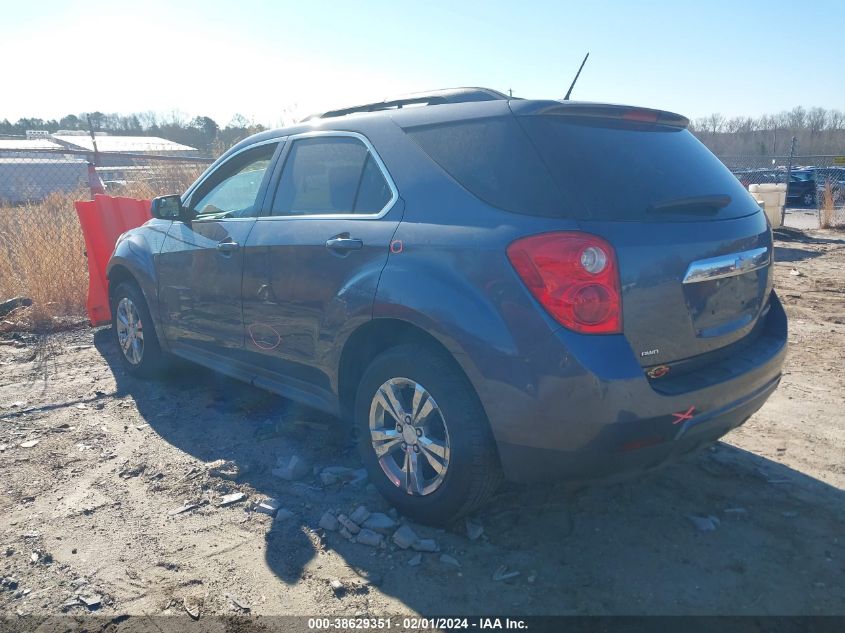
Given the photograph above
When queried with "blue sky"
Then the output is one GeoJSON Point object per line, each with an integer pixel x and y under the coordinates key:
{"type": "Point", "coordinates": [273, 61]}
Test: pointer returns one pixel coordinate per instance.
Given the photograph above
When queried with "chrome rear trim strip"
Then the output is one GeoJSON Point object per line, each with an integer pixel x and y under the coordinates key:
{"type": "Point", "coordinates": [727, 265]}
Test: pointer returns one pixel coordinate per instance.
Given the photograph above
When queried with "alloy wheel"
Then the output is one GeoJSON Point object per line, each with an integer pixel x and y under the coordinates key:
{"type": "Point", "coordinates": [130, 331]}
{"type": "Point", "coordinates": [409, 436]}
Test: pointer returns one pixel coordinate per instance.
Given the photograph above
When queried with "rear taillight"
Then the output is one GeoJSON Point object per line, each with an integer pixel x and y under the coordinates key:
{"type": "Point", "coordinates": [574, 276]}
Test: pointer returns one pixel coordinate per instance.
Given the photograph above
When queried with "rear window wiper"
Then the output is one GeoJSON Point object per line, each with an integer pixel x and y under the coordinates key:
{"type": "Point", "coordinates": [708, 204]}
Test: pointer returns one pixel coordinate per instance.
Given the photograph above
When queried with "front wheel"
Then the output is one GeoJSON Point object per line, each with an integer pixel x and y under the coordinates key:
{"type": "Point", "coordinates": [808, 199]}
{"type": "Point", "coordinates": [423, 436]}
{"type": "Point", "coordinates": [135, 336]}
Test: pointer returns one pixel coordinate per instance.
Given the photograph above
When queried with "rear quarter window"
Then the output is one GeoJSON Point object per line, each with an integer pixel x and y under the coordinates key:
{"type": "Point", "coordinates": [494, 160]}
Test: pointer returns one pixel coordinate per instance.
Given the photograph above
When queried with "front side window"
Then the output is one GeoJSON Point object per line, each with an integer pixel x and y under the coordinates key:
{"type": "Point", "coordinates": [330, 175]}
{"type": "Point", "coordinates": [232, 190]}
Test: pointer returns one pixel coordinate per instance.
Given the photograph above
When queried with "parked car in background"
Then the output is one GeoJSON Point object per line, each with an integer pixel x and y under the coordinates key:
{"type": "Point", "coordinates": [833, 177]}
{"type": "Point", "coordinates": [802, 189]}
{"type": "Point", "coordinates": [748, 177]}
{"type": "Point", "coordinates": [482, 286]}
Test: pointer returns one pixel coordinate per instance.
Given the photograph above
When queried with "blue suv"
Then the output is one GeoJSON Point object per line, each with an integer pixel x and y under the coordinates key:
{"type": "Point", "coordinates": [486, 287]}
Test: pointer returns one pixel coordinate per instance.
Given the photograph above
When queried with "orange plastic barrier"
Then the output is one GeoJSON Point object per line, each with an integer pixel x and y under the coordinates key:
{"type": "Point", "coordinates": [102, 221]}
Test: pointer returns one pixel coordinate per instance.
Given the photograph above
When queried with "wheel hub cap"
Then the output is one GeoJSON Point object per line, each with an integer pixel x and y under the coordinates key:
{"type": "Point", "coordinates": [409, 436]}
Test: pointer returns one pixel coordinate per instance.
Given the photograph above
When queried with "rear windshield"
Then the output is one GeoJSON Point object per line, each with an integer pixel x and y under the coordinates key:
{"type": "Point", "coordinates": [597, 169]}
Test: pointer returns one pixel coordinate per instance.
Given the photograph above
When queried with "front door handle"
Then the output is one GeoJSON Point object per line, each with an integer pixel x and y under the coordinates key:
{"type": "Point", "coordinates": [344, 244]}
{"type": "Point", "coordinates": [228, 246]}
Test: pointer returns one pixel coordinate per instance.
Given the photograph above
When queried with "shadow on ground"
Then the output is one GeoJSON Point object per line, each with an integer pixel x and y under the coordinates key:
{"type": "Point", "coordinates": [790, 234]}
{"type": "Point", "coordinates": [776, 546]}
{"type": "Point", "coordinates": [786, 254]}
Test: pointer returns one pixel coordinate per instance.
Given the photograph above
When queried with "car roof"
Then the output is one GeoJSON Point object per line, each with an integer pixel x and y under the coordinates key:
{"type": "Point", "coordinates": [432, 97]}
{"type": "Point", "coordinates": [446, 105]}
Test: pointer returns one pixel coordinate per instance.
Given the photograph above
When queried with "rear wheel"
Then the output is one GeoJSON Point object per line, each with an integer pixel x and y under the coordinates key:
{"type": "Point", "coordinates": [423, 435]}
{"type": "Point", "coordinates": [135, 336]}
{"type": "Point", "coordinates": [809, 199]}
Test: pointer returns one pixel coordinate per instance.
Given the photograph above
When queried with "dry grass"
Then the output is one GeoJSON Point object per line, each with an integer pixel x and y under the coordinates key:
{"type": "Point", "coordinates": [42, 251]}
{"type": "Point", "coordinates": [827, 210]}
{"type": "Point", "coordinates": [42, 256]}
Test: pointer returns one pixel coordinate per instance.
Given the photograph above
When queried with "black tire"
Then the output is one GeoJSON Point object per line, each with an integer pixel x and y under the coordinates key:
{"type": "Point", "coordinates": [808, 199]}
{"type": "Point", "coordinates": [152, 359]}
{"type": "Point", "coordinates": [473, 471]}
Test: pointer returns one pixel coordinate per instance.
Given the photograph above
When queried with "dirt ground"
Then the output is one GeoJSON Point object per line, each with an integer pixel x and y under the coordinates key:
{"type": "Point", "coordinates": [89, 510]}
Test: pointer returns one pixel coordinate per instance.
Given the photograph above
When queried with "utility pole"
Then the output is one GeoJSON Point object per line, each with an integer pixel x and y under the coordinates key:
{"type": "Point", "coordinates": [93, 140]}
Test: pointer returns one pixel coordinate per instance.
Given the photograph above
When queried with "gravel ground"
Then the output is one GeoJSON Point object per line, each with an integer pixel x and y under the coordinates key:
{"type": "Point", "coordinates": [801, 218]}
{"type": "Point", "coordinates": [96, 466]}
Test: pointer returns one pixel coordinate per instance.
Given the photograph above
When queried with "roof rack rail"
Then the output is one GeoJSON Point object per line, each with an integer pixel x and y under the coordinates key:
{"type": "Point", "coordinates": [435, 97]}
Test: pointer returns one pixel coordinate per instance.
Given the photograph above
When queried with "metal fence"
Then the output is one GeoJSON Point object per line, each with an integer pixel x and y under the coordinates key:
{"type": "Point", "coordinates": [816, 183]}
{"type": "Point", "coordinates": [30, 177]}
{"type": "Point", "coordinates": [42, 252]}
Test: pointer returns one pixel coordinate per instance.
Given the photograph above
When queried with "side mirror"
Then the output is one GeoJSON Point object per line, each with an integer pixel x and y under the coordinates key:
{"type": "Point", "coordinates": [167, 207]}
{"type": "Point", "coordinates": [170, 208]}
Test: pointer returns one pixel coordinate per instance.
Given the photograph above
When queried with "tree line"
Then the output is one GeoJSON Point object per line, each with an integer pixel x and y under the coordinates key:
{"type": "Point", "coordinates": [816, 131]}
{"type": "Point", "coordinates": [201, 132]}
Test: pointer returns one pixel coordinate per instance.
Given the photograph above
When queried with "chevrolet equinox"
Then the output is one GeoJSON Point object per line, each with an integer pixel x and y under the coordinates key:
{"type": "Point", "coordinates": [486, 287]}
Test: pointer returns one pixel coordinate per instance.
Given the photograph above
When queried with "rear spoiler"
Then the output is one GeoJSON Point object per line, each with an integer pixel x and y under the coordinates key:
{"type": "Point", "coordinates": [598, 110]}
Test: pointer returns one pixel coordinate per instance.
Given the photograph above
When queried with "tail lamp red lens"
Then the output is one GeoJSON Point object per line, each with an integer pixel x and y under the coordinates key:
{"type": "Point", "coordinates": [574, 276]}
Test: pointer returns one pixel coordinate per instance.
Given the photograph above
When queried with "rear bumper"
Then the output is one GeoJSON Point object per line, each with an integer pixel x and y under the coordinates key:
{"type": "Point", "coordinates": [628, 451]}
{"type": "Point", "coordinates": [581, 408]}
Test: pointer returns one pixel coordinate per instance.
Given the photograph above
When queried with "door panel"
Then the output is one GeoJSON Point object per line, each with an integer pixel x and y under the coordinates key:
{"type": "Point", "coordinates": [200, 267]}
{"type": "Point", "coordinates": [300, 296]}
{"type": "Point", "coordinates": [311, 269]}
{"type": "Point", "coordinates": [200, 272]}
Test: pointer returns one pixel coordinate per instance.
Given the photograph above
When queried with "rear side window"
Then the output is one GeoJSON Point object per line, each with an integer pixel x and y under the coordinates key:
{"type": "Point", "coordinates": [494, 160]}
{"type": "Point", "coordinates": [614, 170]}
{"type": "Point", "coordinates": [330, 175]}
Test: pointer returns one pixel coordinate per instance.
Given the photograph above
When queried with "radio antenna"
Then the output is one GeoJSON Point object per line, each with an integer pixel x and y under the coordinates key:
{"type": "Point", "coordinates": [569, 92]}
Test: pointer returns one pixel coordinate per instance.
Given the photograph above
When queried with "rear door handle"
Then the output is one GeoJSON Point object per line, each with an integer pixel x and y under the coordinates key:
{"type": "Point", "coordinates": [344, 244]}
{"type": "Point", "coordinates": [227, 247]}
